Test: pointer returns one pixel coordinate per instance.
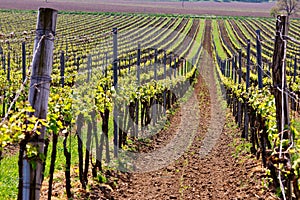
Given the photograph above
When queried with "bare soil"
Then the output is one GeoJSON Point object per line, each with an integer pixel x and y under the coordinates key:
{"type": "Point", "coordinates": [136, 6]}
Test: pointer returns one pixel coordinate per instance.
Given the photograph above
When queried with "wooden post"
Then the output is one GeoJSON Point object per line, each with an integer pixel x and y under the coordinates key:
{"type": "Point", "coordinates": [170, 72]}
{"type": "Point", "coordinates": [232, 68]}
{"type": "Point", "coordinates": [89, 68]}
{"type": "Point", "coordinates": [62, 69]}
{"type": "Point", "coordinates": [23, 61]}
{"type": "Point", "coordinates": [248, 65]}
{"type": "Point", "coordinates": [259, 62]}
{"type": "Point", "coordinates": [129, 63]}
{"type": "Point", "coordinates": [165, 77]}
{"type": "Point", "coordinates": [234, 110]}
{"type": "Point", "coordinates": [138, 84]}
{"type": "Point", "coordinates": [279, 90]}
{"type": "Point", "coordinates": [38, 98]}
{"type": "Point", "coordinates": [279, 72]}
{"type": "Point", "coordinates": [223, 66]}
{"type": "Point", "coordinates": [295, 69]}
{"type": "Point", "coordinates": [155, 64]}
{"type": "Point", "coordinates": [246, 117]}
{"type": "Point", "coordinates": [8, 67]}
{"type": "Point", "coordinates": [185, 67]}
{"type": "Point", "coordinates": [3, 63]}
{"type": "Point", "coordinates": [154, 111]}
{"type": "Point", "coordinates": [240, 66]}
{"type": "Point", "coordinates": [175, 66]}
{"type": "Point", "coordinates": [115, 83]}
{"type": "Point", "coordinates": [105, 66]}
{"type": "Point", "coordinates": [229, 68]}
{"type": "Point", "coordinates": [235, 68]}
{"type": "Point", "coordinates": [240, 110]}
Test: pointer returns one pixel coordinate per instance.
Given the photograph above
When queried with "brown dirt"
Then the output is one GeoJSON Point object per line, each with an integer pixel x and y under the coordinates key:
{"type": "Point", "coordinates": [10, 149]}
{"type": "Point", "coordinates": [135, 6]}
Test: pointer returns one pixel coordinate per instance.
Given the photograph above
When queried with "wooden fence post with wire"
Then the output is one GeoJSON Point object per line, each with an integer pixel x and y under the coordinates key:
{"type": "Point", "coordinates": [281, 103]}
{"type": "Point", "coordinates": [38, 98]}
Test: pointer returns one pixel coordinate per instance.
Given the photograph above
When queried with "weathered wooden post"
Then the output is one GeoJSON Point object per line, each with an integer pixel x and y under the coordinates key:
{"type": "Point", "coordinates": [240, 110]}
{"type": "Point", "coordinates": [228, 67]}
{"type": "Point", "coordinates": [246, 118]}
{"type": "Point", "coordinates": [154, 111]}
{"type": "Point", "coordinates": [38, 98]}
{"type": "Point", "coordinates": [248, 65]}
{"type": "Point", "coordinates": [138, 73]}
{"type": "Point", "coordinates": [62, 68]}
{"type": "Point", "coordinates": [234, 113]}
{"type": "Point", "coordinates": [3, 62]}
{"type": "Point", "coordinates": [234, 68]}
{"type": "Point", "coordinates": [175, 66]}
{"type": "Point", "coordinates": [23, 61]}
{"type": "Point", "coordinates": [115, 83]}
{"type": "Point", "coordinates": [279, 85]}
{"type": "Point", "coordinates": [89, 68]}
{"type": "Point", "coordinates": [155, 64]}
{"type": "Point", "coordinates": [8, 67]}
{"type": "Point", "coordinates": [295, 69]}
{"type": "Point", "coordinates": [279, 75]}
{"type": "Point", "coordinates": [165, 77]}
{"type": "Point", "coordinates": [170, 69]}
{"type": "Point", "coordinates": [259, 62]}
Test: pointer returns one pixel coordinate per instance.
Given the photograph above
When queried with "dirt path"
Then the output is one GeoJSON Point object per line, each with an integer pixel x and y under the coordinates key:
{"type": "Point", "coordinates": [208, 169]}
{"type": "Point", "coordinates": [167, 182]}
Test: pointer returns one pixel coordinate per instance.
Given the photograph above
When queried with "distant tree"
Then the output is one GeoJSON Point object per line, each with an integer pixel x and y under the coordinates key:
{"type": "Point", "coordinates": [288, 7]}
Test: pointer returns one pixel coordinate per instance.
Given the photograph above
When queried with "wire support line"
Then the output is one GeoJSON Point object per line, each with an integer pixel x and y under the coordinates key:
{"type": "Point", "coordinates": [286, 37]}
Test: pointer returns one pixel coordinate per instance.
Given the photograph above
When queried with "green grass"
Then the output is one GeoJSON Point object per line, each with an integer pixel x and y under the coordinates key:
{"type": "Point", "coordinates": [9, 177]}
